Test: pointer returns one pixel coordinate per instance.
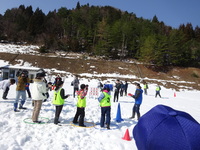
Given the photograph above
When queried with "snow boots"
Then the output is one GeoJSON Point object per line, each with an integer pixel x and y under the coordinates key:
{"type": "Point", "coordinates": [133, 116]}
{"type": "Point", "coordinates": [15, 107]}
{"type": "Point", "coordinates": [108, 126]}
{"type": "Point", "coordinates": [21, 105]}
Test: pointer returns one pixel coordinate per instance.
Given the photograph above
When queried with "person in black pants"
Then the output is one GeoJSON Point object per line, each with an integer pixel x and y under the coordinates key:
{"type": "Point", "coordinates": [75, 83]}
{"type": "Point", "coordinates": [81, 104]}
{"type": "Point", "coordinates": [28, 90]}
{"type": "Point", "coordinates": [117, 88]}
{"type": "Point", "coordinates": [125, 88]}
{"type": "Point", "coordinates": [59, 100]}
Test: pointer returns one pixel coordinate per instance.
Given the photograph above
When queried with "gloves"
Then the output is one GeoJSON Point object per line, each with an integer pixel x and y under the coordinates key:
{"type": "Point", "coordinates": [129, 94]}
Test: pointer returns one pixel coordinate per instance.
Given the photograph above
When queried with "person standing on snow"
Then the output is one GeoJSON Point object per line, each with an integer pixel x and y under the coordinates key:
{"type": "Point", "coordinates": [158, 88]}
{"type": "Point", "coordinates": [21, 90]}
{"type": "Point", "coordinates": [145, 88]}
{"type": "Point", "coordinates": [39, 90]}
{"type": "Point", "coordinates": [117, 88]}
{"type": "Point", "coordinates": [75, 83]}
{"type": "Point", "coordinates": [59, 100]}
{"type": "Point", "coordinates": [5, 85]}
{"type": "Point", "coordinates": [121, 88]}
{"type": "Point", "coordinates": [125, 88]}
{"type": "Point", "coordinates": [138, 101]}
{"type": "Point", "coordinates": [105, 105]}
{"type": "Point", "coordinates": [81, 104]}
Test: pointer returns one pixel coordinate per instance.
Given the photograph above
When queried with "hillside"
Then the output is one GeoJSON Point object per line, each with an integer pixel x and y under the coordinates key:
{"type": "Point", "coordinates": [186, 78]}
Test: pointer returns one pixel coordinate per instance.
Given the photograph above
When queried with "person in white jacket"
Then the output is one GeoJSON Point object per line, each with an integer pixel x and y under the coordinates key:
{"type": "Point", "coordinates": [5, 85]}
{"type": "Point", "coordinates": [39, 90]}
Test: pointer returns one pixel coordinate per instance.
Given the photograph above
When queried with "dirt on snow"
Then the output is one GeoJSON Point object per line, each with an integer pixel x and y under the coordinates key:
{"type": "Point", "coordinates": [171, 77]}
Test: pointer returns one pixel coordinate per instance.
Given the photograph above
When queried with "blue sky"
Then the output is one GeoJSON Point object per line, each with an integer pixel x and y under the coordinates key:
{"type": "Point", "coordinates": [171, 12]}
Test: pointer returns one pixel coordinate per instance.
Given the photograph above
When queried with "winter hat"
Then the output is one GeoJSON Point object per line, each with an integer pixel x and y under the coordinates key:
{"type": "Point", "coordinates": [82, 86]}
{"type": "Point", "coordinates": [41, 73]}
{"type": "Point", "coordinates": [163, 128]}
{"type": "Point", "coordinates": [138, 85]}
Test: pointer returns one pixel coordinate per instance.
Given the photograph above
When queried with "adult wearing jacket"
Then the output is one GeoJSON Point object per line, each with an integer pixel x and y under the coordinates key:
{"type": "Point", "coordinates": [105, 105]}
{"type": "Point", "coordinates": [125, 88]}
{"type": "Point", "coordinates": [59, 100]}
{"type": "Point", "coordinates": [21, 90]}
{"type": "Point", "coordinates": [81, 104]}
{"type": "Point", "coordinates": [138, 101]}
{"type": "Point", "coordinates": [75, 83]}
{"type": "Point", "coordinates": [121, 88]}
{"type": "Point", "coordinates": [38, 94]}
{"type": "Point", "coordinates": [5, 85]}
{"type": "Point", "coordinates": [116, 93]}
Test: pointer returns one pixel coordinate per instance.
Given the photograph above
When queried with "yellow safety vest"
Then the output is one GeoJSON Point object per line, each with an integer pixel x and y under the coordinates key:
{"type": "Point", "coordinates": [57, 99]}
{"type": "Point", "coordinates": [81, 102]}
{"type": "Point", "coordinates": [106, 100]}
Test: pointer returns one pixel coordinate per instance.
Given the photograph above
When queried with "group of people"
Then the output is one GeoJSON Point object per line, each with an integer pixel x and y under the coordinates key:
{"type": "Point", "coordinates": [120, 89]}
{"type": "Point", "coordinates": [39, 93]}
{"type": "Point", "coordinates": [146, 87]}
{"type": "Point", "coordinates": [40, 89]}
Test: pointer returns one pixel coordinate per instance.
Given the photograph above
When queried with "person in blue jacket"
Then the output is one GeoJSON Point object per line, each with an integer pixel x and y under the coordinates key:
{"type": "Point", "coordinates": [138, 101]}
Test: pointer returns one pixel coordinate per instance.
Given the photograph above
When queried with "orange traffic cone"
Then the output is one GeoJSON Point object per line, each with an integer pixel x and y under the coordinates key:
{"type": "Point", "coordinates": [174, 94]}
{"type": "Point", "coordinates": [127, 136]}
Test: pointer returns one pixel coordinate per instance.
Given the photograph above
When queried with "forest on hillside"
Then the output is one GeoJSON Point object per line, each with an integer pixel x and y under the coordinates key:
{"type": "Point", "coordinates": [103, 31]}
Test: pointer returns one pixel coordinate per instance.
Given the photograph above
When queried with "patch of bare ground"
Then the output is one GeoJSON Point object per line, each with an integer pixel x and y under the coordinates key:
{"type": "Point", "coordinates": [176, 78]}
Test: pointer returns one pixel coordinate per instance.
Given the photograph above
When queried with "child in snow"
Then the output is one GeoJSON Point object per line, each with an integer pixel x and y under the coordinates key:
{"type": "Point", "coordinates": [121, 88]}
{"type": "Point", "coordinates": [145, 88]}
{"type": "Point", "coordinates": [81, 104]}
{"type": "Point", "coordinates": [5, 85]}
{"type": "Point", "coordinates": [38, 94]}
{"type": "Point", "coordinates": [59, 100]}
{"type": "Point", "coordinates": [105, 105]}
{"type": "Point", "coordinates": [158, 88]}
{"type": "Point", "coordinates": [138, 101]}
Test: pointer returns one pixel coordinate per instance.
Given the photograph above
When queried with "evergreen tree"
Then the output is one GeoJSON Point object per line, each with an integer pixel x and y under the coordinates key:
{"type": "Point", "coordinates": [105, 31]}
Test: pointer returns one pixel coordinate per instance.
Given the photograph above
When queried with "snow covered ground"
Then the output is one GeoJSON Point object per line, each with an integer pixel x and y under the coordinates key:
{"type": "Point", "coordinates": [18, 135]}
